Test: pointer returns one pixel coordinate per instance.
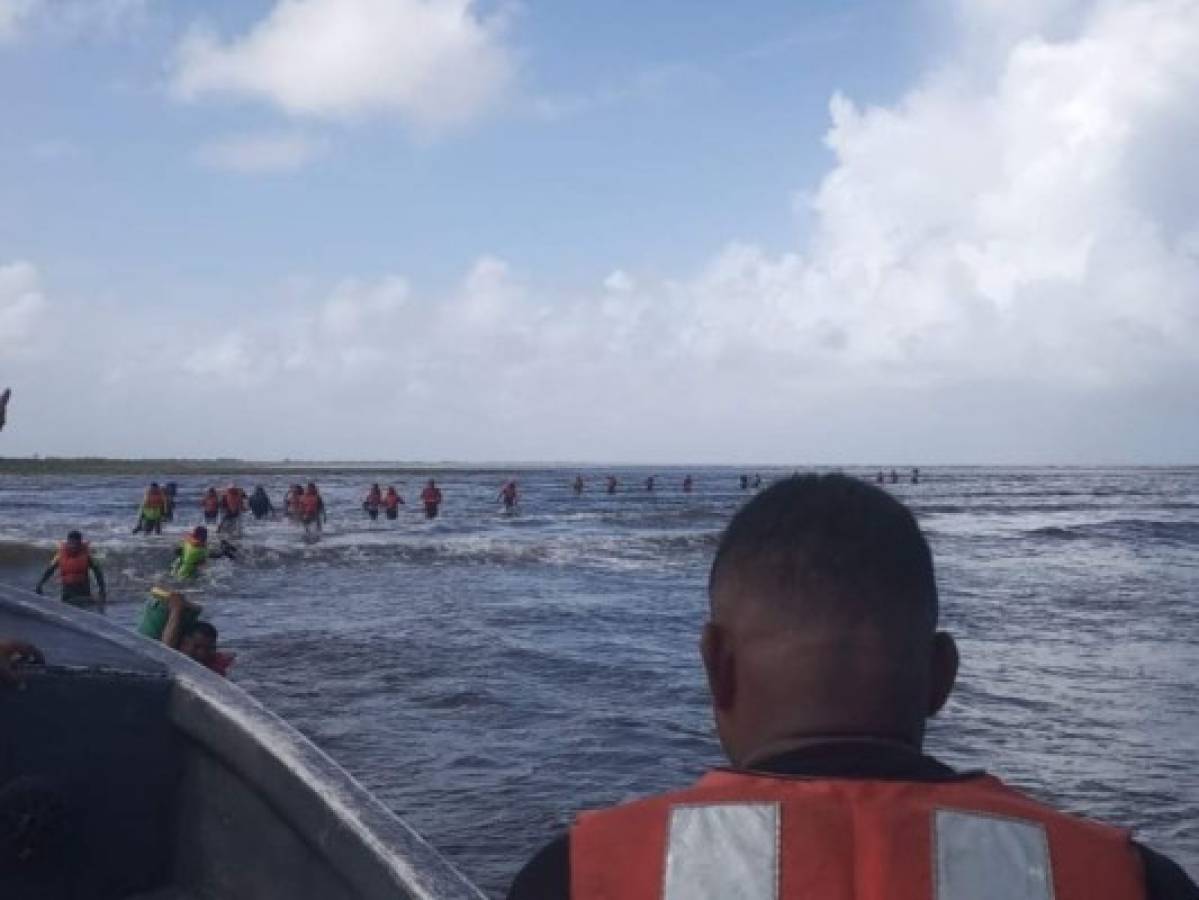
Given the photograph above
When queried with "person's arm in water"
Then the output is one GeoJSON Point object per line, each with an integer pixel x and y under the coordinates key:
{"type": "Point", "coordinates": [95, 567]}
{"type": "Point", "coordinates": [47, 575]}
{"type": "Point", "coordinates": [223, 549]}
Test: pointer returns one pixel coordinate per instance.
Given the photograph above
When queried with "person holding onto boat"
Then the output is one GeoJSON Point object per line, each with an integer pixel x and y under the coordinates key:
{"type": "Point", "coordinates": [431, 498]}
{"type": "Point", "coordinates": [12, 653]}
{"type": "Point", "coordinates": [373, 501]}
{"type": "Point", "coordinates": [233, 504]}
{"type": "Point", "coordinates": [174, 620]}
{"type": "Point", "coordinates": [193, 553]}
{"type": "Point", "coordinates": [508, 496]}
{"type": "Point", "coordinates": [392, 502]}
{"type": "Point", "coordinates": [260, 504]}
{"type": "Point", "coordinates": [211, 505]}
{"type": "Point", "coordinates": [75, 566]}
{"type": "Point", "coordinates": [152, 511]}
{"type": "Point", "coordinates": [312, 509]}
{"type": "Point", "coordinates": [823, 663]}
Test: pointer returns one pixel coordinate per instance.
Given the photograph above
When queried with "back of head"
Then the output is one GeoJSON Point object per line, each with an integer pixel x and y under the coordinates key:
{"type": "Point", "coordinates": [824, 611]}
{"type": "Point", "coordinates": [830, 547]}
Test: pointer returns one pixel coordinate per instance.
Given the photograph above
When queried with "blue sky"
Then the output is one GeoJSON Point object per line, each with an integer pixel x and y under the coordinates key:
{"type": "Point", "coordinates": [677, 130]}
{"type": "Point", "coordinates": [543, 230]}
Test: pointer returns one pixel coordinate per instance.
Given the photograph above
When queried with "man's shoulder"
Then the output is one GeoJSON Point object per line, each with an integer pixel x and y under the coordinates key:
{"type": "Point", "coordinates": [547, 875]}
{"type": "Point", "coordinates": [1164, 878]}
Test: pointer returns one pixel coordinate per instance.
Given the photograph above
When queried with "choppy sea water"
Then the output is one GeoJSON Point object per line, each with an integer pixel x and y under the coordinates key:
{"type": "Point", "coordinates": [487, 676]}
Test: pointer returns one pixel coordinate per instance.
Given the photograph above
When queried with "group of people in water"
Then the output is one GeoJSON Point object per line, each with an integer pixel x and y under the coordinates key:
{"type": "Point", "coordinates": [174, 618]}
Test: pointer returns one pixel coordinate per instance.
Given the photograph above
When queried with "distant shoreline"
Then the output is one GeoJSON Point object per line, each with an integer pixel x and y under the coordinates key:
{"type": "Point", "coordinates": [84, 465]}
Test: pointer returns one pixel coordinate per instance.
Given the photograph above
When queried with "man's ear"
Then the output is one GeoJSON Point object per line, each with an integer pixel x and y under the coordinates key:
{"type": "Point", "coordinates": [717, 653]}
{"type": "Point", "coordinates": [943, 671]}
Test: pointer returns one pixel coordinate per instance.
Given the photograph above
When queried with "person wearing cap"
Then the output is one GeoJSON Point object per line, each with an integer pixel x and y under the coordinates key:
{"type": "Point", "coordinates": [75, 566]}
{"type": "Point", "coordinates": [194, 552]}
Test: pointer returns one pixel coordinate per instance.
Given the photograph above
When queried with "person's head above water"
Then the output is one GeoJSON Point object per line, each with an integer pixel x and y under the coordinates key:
{"type": "Point", "coordinates": [74, 541]}
{"type": "Point", "coordinates": [199, 642]}
{"type": "Point", "coordinates": [200, 534]}
{"type": "Point", "coordinates": [823, 621]}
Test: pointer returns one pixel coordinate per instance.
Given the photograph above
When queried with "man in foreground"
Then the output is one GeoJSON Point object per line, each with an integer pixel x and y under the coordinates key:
{"type": "Point", "coordinates": [824, 661]}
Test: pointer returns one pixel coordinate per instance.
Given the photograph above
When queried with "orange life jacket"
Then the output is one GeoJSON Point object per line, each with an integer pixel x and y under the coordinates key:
{"type": "Point", "coordinates": [155, 499]}
{"type": "Point", "coordinates": [373, 499]}
{"type": "Point", "coordinates": [391, 500]}
{"type": "Point", "coordinates": [310, 504]}
{"type": "Point", "coordinates": [233, 498]}
{"type": "Point", "coordinates": [758, 837]}
{"type": "Point", "coordinates": [72, 570]}
{"type": "Point", "coordinates": [211, 503]}
{"type": "Point", "coordinates": [430, 496]}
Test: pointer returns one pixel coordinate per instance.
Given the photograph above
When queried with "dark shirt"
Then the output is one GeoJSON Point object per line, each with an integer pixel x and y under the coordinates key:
{"type": "Point", "coordinates": [547, 875]}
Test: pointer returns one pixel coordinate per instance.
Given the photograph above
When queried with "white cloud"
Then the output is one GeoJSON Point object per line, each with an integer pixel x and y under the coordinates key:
{"type": "Point", "coordinates": [619, 282]}
{"type": "Point", "coordinates": [279, 152]}
{"type": "Point", "coordinates": [21, 308]}
{"type": "Point", "coordinates": [434, 63]}
{"type": "Point", "coordinates": [71, 18]}
{"type": "Point", "coordinates": [1004, 265]}
{"type": "Point", "coordinates": [13, 16]}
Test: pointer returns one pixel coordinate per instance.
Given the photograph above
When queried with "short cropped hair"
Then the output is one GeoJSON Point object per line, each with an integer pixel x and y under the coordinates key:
{"type": "Point", "coordinates": [842, 542]}
{"type": "Point", "coordinates": [205, 628]}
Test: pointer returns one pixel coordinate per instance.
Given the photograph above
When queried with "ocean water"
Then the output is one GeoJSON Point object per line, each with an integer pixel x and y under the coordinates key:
{"type": "Point", "coordinates": [487, 676]}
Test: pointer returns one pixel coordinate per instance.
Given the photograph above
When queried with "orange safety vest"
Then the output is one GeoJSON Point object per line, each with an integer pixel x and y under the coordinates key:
{"type": "Point", "coordinates": [155, 500]}
{"type": "Point", "coordinates": [211, 503]}
{"type": "Point", "coordinates": [233, 500]}
{"type": "Point", "coordinates": [310, 504]}
{"type": "Point", "coordinates": [758, 837]}
{"type": "Point", "coordinates": [72, 570]}
{"type": "Point", "coordinates": [391, 500]}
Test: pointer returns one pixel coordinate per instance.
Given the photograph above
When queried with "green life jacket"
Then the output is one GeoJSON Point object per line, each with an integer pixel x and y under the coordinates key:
{"type": "Point", "coordinates": [191, 557]}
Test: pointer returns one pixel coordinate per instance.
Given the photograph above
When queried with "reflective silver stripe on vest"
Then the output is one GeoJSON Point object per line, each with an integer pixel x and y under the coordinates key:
{"type": "Point", "coordinates": [982, 857]}
{"type": "Point", "coordinates": [723, 851]}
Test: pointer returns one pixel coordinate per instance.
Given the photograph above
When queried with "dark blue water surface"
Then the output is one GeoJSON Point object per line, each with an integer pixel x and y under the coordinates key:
{"type": "Point", "coordinates": [488, 676]}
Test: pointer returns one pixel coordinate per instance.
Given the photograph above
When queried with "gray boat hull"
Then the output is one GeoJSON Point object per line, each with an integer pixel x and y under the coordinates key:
{"type": "Point", "coordinates": [133, 772]}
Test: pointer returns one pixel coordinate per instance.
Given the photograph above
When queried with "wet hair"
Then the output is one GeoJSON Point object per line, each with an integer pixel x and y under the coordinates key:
{"type": "Point", "coordinates": [207, 629]}
{"type": "Point", "coordinates": [848, 547]}
{"type": "Point", "coordinates": [74, 536]}
{"type": "Point", "coordinates": [200, 533]}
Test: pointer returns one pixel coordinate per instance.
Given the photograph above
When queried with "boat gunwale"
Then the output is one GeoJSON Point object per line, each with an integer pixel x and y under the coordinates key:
{"type": "Point", "coordinates": [372, 848]}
